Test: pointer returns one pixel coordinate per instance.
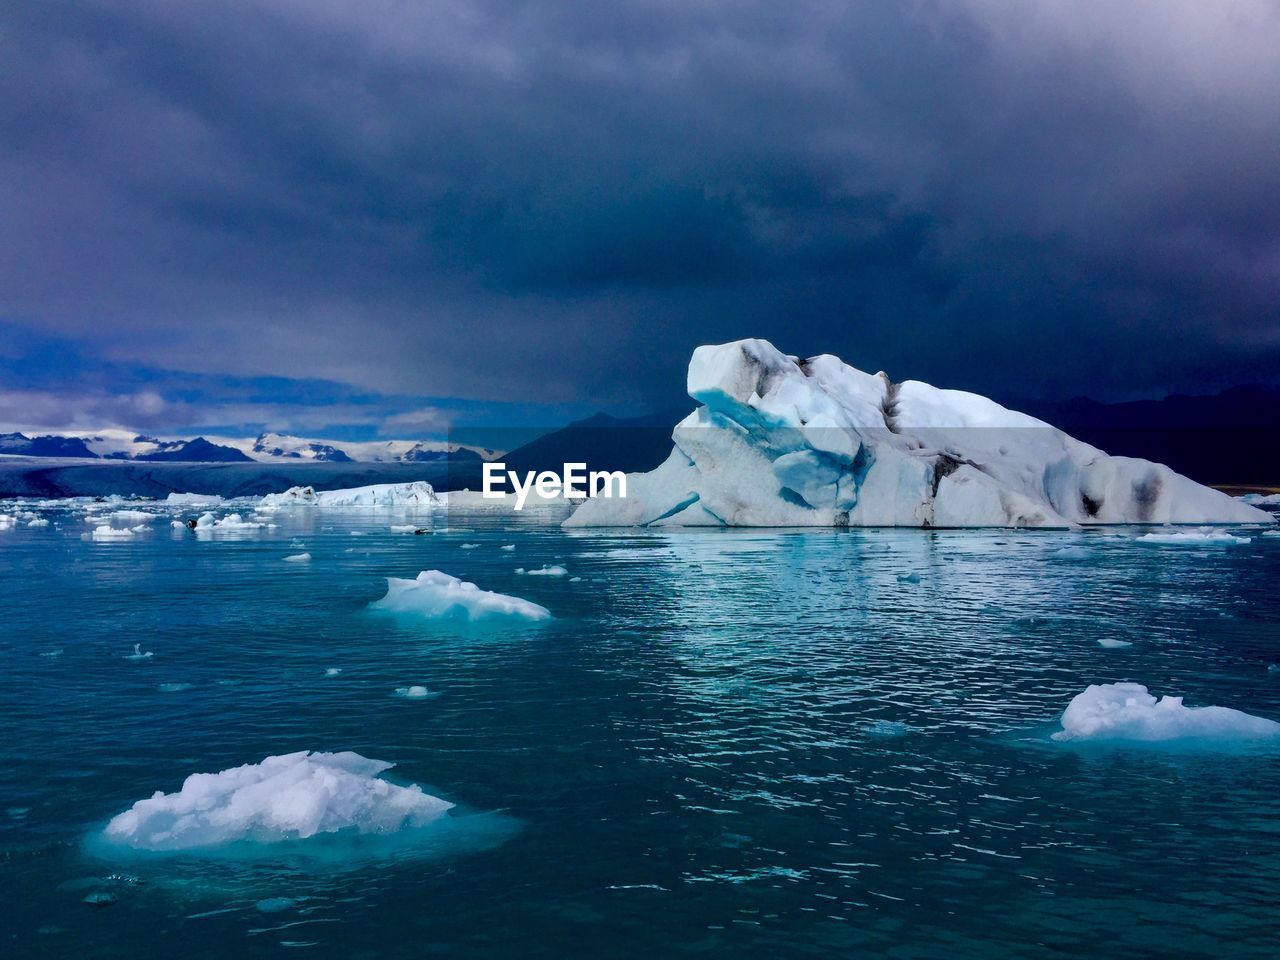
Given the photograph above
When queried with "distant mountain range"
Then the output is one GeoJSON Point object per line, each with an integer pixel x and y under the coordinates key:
{"type": "Point", "coordinates": [1229, 438]}
{"type": "Point", "coordinates": [265, 448]}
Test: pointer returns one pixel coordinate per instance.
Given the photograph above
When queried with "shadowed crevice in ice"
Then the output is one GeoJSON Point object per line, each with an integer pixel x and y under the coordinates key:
{"type": "Point", "coordinates": [1128, 712]}
{"type": "Point", "coordinates": [435, 595]}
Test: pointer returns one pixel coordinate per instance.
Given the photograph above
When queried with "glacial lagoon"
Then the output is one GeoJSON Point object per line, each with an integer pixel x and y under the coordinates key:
{"type": "Point", "coordinates": [738, 743]}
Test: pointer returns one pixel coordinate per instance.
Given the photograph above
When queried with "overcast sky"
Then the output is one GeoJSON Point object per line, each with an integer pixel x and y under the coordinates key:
{"type": "Point", "coordinates": [377, 217]}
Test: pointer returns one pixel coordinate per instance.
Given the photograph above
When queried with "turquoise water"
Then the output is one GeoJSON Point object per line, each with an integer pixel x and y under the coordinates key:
{"type": "Point", "coordinates": [746, 744]}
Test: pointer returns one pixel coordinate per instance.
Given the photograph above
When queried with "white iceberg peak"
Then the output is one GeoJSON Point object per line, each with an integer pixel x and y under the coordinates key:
{"type": "Point", "coordinates": [780, 441]}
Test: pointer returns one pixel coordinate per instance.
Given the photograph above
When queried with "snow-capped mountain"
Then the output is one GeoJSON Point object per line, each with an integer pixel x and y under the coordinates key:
{"type": "Point", "coordinates": [265, 448]}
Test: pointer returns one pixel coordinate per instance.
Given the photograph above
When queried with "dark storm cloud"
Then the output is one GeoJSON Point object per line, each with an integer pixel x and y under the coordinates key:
{"type": "Point", "coordinates": [560, 200]}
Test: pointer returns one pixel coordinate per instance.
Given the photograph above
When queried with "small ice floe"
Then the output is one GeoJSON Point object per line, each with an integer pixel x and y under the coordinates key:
{"type": "Point", "coordinates": [412, 693]}
{"type": "Point", "coordinates": [403, 528]}
{"type": "Point", "coordinates": [38, 522]}
{"type": "Point", "coordinates": [1126, 711]}
{"type": "Point", "coordinates": [554, 570]}
{"type": "Point", "coordinates": [438, 596]}
{"type": "Point", "coordinates": [232, 522]}
{"type": "Point", "coordinates": [470, 546]}
{"type": "Point", "coordinates": [1261, 499]}
{"type": "Point", "coordinates": [1204, 537]}
{"type": "Point", "coordinates": [1274, 668]}
{"type": "Point", "coordinates": [106, 532]}
{"type": "Point", "coordinates": [133, 516]}
{"type": "Point", "coordinates": [192, 500]}
{"type": "Point", "coordinates": [575, 579]}
{"type": "Point", "coordinates": [357, 533]}
{"type": "Point", "coordinates": [507, 546]}
{"type": "Point", "coordinates": [138, 653]}
{"type": "Point", "coordinates": [100, 898]}
{"type": "Point", "coordinates": [332, 671]}
{"type": "Point", "coordinates": [7, 521]}
{"type": "Point", "coordinates": [291, 797]}
{"type": "Point", "coordinates": [174, 687]}
{"type": "Point", "coordinates": [912, 577]}
{"type": "Point", "coordinates": [1111, 643]}
{"type": "Point", "coordinates": [1271, 533]}
{"type": "Point", "coordinates": [298, 558]}
{"type": "Point", "coordinates": [1071, 553]}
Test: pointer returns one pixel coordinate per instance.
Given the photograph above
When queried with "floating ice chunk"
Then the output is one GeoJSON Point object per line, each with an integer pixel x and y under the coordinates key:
{"type": "Point", "coordinates": [439, 596]}
{"type": "Point", "coordinates": [138, 653]}
{"type": "Point", "coordinates": [1261, 499]}
{"type": "Point", "coordinates": [912, 577]}
{"type": "Point", "coordinates": [7, 520]}
{"type": "Point", "coordinates": [1072, 553]}
{"type": "Point", "coordinates": [1271, 533]}
{"type": "Point", "coordinates": [403, 528]}
{"type": "Point", "coordinates": [554, 570]}
{"type": "Point", "coordinates": [192, 500]}
{"type": "Point", "coordinates": [417, 494]}
{"type": "Point", "coordinates": [470, 546]}
{"type": "Point", "coordinates": [507, 546]}
{"type": "Point", "coordinates": [298, 558]}
{"type": "Point", "coordinates": [1126, 711]}
{"type": "Point", "coordinates": [1111, 643]}
{"type": "Point", "coordinates": [106, 532]}
{"type": "Point", "coordinates": [412, 693]}
{"type": "Point", "coordinates": [231, 523]}
{"type": "Point", "coordinates": [134, 516]}
{"type": "Point", "coordinates": [289, 797]}
{"type": "Point", "coordinates": [332, 671]}
{"type": "Point", "coordinates": [1195, 538]}
{"type": "Point", "coordinates": [38, 522]}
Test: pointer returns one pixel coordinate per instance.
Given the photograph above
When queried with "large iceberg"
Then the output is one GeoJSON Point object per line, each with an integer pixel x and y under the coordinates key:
{"type": "Point", "coordinates": [438, 596]}
{"type": "Point", "coordinates": [416, 494]}
{"type": "Point", "coordinates": [1126, 711]}
{"type": "Point", "coordinates": [290, 797]}
{"type": "Point", "coordinates": [780, 441]}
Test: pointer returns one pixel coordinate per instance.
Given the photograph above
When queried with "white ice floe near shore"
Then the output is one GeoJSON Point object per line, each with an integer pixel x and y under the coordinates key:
{"type": "Point", "coordinates": [1193, 538]}
{"type": "Point", "coordinates": [1126, 711]}
{"type": "Point", "coordinates": [780, 441]}
{"type": "Point", "coordinates": [1262, 499]}
{"type": "Point", "coordinates": [107, 532]}
{"type": "Point", "coordinates": [192, 500]}
{"type": "Point", "coordinates": [289, 797]}
{"type": "Point", "coordinates": [438, 596]}
{"type": "Point", "coordinates": [417, 494]}
{"type": "Point", "coordinates": [298, 558]}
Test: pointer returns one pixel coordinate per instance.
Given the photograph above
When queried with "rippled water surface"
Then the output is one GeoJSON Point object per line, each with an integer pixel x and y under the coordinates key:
{"type": "Point", "coordinates": [745, 743]}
